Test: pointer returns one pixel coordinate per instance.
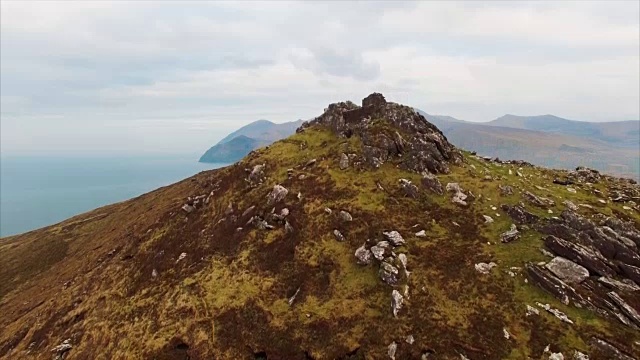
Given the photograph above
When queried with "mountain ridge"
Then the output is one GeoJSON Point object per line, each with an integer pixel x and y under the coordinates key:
{"type": "Point", "coordinates": [366, 234]}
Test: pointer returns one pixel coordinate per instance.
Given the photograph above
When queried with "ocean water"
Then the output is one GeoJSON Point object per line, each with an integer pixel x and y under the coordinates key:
{"type": "Point", "coordinates": [41, 191]}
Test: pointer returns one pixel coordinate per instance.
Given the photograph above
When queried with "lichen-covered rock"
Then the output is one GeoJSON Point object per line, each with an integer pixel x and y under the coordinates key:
{"type": "Point", "coordinates": [505, 190]}
{"type": "Point", "coordinates": [276, 195]}
{"type": "Point", "coordinates": [589, 258]}
{"type": "Point", "coordinates": [257, 174]}
{"type": "Point", "coordinates": [485, 268]}
{"type": "Point", "coordinates": [519, 215]}
{"type": "Point", "coordinates": [389, 130]}
{"type": "Point", "coordinates": [510, 235]}
{"type": "Point", "coordinates": [363, 255]}
{"type": "Point", "coordinates": [394, 237]}
{"type": "Point", "coordinates": [344, 161]}
{"type": "Point", "coordinates": [345, 216]}
{"type": "Point", "coordinates": [388, 273]}
{"type": "Point", "coordinates": [409, 189]}
{"type": "Point", "coordinates": [567, 270]}
{"type": "Point", "coordinates": [538, 201]}
{"type": "Point", "coordinates": [397, 301]}
{"type": "Point", "coordinates": [431, 183]}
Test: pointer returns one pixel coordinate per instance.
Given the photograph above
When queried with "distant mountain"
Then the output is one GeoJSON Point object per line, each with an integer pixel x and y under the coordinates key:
{"type": "Point", "coordinates": [249, 137]}
{"type": "Point", "coordinates": [622, 133]}
{"type": "Point", "coordinates": [556, 143]}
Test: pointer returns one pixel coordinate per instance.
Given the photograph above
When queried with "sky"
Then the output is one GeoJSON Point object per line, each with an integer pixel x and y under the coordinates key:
{"type": "Point", "coordinates": [163, 77]}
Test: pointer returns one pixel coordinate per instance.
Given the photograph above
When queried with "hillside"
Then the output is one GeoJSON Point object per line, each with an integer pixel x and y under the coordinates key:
{"type": "Point", "coordinates": [619, 133]}
{"type": "Point", "coordinates": [542, 145]}
{"type": "Point", "coordinates": [365, 235]}
{"type": "Point", "coordinates": [239, 143]}
{"type": "Point", "coordinates": [232, 150]}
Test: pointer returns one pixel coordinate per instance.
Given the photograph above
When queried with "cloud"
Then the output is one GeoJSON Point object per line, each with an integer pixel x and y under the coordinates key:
{"type": "Point", "coordinates": [76, 75]}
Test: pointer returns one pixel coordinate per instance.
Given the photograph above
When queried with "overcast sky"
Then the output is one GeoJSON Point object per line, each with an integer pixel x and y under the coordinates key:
{"type": "Point", "coordinates": [117, 77]}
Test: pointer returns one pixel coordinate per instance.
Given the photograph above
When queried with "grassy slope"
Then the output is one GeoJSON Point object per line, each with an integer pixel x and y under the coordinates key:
{"type": "Point", "coordinates": [228, 297]}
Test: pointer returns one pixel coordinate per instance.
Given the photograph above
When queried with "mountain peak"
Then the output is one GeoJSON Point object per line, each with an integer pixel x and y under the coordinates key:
{"type": "Point", "coordinates": [390, 130]}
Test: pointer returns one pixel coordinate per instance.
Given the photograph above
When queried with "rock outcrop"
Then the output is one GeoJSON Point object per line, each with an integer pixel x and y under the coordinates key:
{"type": "Point", "coordinates": [389, 130]}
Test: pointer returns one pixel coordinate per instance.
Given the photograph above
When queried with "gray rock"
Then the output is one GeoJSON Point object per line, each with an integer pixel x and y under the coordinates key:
{"type": "Point", "coordinates": [519, 215]}
{"type": "Point", "coordinates": [612, 283]}
{"type": "Point", "coordinates": [391, 350]}
{"type": "Point", "coordinates": [505, 190]}
{"type": "Point", "coordinates": [293, 298]}
{"type": "Point", "coordinates": [276, 195]}
{"type": "Point", "coordinates": [459, 197]}
{"type": "Point", "coordinates": [363, 255]}
{"type": "Point", "coordinates": [409, 189]}
{"type": "Point", "coordinates": [567, 270]}
{"type": "Point", "coordinates": [570, 205]}
{"type": "Point", "coordinates": [538, 200]}
{"type": "Point", "coordinates": [257, 174]}
{"type": "Point", "coordinates": [378, 252]}
{"type": "Point", "coordinates": [409, 339]}
{"type": "Point", "coordinates": [345, 216]}
{"type": "Point", "coordinates": [589, 258]}
{"type": "Point", "coordinates": [328, 211]}
{"type": "Point", "coordinates": [547, 281]}
{"type": "Point", "coordinates": [487, 219]}
{"type": "Point", "coordinates": [556, 356]}
{"type": "Point", "coordinates": [397, 301]}
{"type": "Point", "coordinates": [388, 273]}
{"type": "Point", "coordinates": [630, 312]}
{"type": "Point", "coordinates": [249, 210]}
{"type": "Point", "coordinates": [62, 349]}
{"type": "Point", "coordinates": [604, 350]}
{"type": "Point", "coordinates": [288, 228]}
{"type": "Point", "coordinates": [532, 311]}
{"type": "Point", "coordinates": [344, 161]}
{"type": "Point", "coordinates": [188, 208]}
{"type": "Point", "coordinates": [577, 355]}
{"type": "Point", "coordinates": [310, 163]}
{"type": "Point", "coordinates": [338, 235]}
{"type": "Point", "coordinates": [394, 237]}
{"type": "Point", "coordinates": [510, 235]}
{"type": "Point", "coordinates": [485, 268]}
{"type": "Point", "coordinates": [557, 313]}
{"type": "Point", "coordinates": [431, 183]}
{"type": "Point", "coordinates": [421, 233]}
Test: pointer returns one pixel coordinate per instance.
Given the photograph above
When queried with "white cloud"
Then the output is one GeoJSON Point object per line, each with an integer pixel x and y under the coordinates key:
{"type": "Point", "coordinates": [134, 75]}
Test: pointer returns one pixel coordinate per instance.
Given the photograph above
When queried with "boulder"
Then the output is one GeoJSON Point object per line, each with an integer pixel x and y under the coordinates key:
{"type": "Point", "coordinates": [538, 200]}
{"type": "Point", "coordinates": [408, 188]}
{"type": "Point", "coordinates": [421, 233]}
{"type": "Point", "coordinates": [510, 235]}
{"type": "Point", "coordinates": [344, 161]}
{"type": "Point", "coordinates": [363, 255]}
{"type": "Point", "coordinates": [630, 312]}
{"type": "Point", "coordinates": [431, 183]}
{"type": "Point", "coordinates": [397, 301]}
{"type": "Point", "coordinates": [589, 258]}
{"type": "Point", "coordinates": [619, 285]}
{"type": "Point", "coordinates": [388, 273]}
{"type": "Point", "coordinates": [188, 208]}
{"type": "Point", "coordinates": [485, 268]}
{"type": "Point", "coordinates": [505, 190]}
{"type": "Point", "coordinates": [631, 272]}
{"type": "Point", "coordinates": [391, 350]}
{"type": "Point", "coordinates": [338, 235]}
{"type": "Point", "coordinates": [604, 350]}
{"type": "Point", "coordinates": [394, 237]}
{"type": "Point", "coordinates": [567, 270]}
{"type": "Point", "coordinates": [257, 174]}
{"type": "Point", "coordinates": [519, 215]}
{"type": "Point", "coordinates": [276, 195]}
{"type": "Point", "coordinates": [345, 216]}
{"type": "Point", "coordinates": [548, 282]}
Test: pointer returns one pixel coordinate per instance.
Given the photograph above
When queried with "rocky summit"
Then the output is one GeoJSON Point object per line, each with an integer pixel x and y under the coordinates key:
{"type": "Point", "coordinates": [365, 235]}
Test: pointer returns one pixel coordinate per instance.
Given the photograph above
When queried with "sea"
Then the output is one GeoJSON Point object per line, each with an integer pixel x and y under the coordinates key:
{"type": "Point", "coordinates": [41, 191]}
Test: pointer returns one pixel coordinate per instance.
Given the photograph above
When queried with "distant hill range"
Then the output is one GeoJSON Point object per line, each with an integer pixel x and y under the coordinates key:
{"type": "Point", "coordinates": [547, 140]}
{"type": "Point", "coordinates": [249, 137]}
